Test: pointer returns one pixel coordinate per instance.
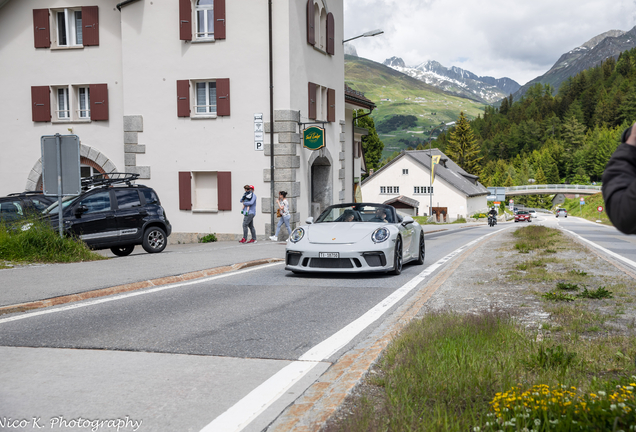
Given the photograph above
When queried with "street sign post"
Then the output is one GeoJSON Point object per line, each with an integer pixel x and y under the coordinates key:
{"type": "Point", "coordinates": [600, 210]}
{"type": "Point", "coordinates": [60, 168]}
{"type": "Point", "coordinates": [581, 203]}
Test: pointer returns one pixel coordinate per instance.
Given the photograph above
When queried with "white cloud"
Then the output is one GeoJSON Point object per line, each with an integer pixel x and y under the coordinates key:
{"type": "Point", "coordinates": [501, 38]}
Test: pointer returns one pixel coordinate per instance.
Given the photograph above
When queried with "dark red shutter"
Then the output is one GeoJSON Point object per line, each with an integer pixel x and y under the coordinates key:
{"type": "Point", "coordinates": [219, 19]}
{"type": "Point", "coordinates": [41, 103]}
{"type": "Point", "coordinates": [223, 97]}
{"type": "Point", "coordinates": [331, 105]}
{"type": "Point", "coordinates": [42, 36]}
{"type": "Point", "coordinates": [331, 34]}
{"type": "Point", "coordinates": [185, 190]}
{"type": "Point", "coordinates": [311, 20]}
{"type": "Point", "coordinates": [185, 19]}
{"type": "Point", "coordinates": [312, 101]}
{"type": "Point", "coordinates": [99, 101]}
{"type": "Point", "coordinates": [90, 22]}
{"type": "Point", "coordinates": [183, 98]}
{"type": "Point", "coordinates": [224, 186]}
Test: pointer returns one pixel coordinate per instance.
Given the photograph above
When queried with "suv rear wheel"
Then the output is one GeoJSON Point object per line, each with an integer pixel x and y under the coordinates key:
{"type": "Point", "coordinates": [155, 240]}
{"type": "Point", "coordinates": [122, 250]}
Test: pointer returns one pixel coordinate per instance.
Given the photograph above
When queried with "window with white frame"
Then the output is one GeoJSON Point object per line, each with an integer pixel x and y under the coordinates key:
{"type": "Point", "coordinates": [69, 27]}
{"type": "Point", "coordinates": [62, 106]}
{"type": "Point", "coordinates": [389, 189]}
{"type": "Point", "coordinates": [72, 103]}
{"type": "Point", "coordinates": [204, 13]}
{"type": "Point", "coordinates": [205, 95]}
{"type": "Point", "coordinates": [422, 189]}
{"type": "Point", "coordinates": [405, 171]}
{"type": "Point", "coordinates": [83, 103]}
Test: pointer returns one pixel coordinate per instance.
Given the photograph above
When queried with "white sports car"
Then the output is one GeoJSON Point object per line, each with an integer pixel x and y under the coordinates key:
{"type": "Point", "coordinates": [353, 238]}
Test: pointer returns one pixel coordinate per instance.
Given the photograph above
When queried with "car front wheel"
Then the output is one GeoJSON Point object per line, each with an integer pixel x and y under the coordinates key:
{"type": "Point", "coordinates": [155, 240]}
{"type": "Point", "coordinates": [397, 257]}
{"type": "Point", "coordinates": [422, 251]}
{"type": "Point", "coordinates": [122, 250]}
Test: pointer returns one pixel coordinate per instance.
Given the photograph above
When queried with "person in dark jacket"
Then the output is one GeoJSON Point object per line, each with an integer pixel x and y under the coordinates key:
{"type": "Point", "coordinates": [619, 184]}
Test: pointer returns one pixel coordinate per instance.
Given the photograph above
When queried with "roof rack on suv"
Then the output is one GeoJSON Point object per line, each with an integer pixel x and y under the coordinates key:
{"type": "Point", "coordinates": [37, 192]}
{"type": "Point", "coordinates": [108, 179]}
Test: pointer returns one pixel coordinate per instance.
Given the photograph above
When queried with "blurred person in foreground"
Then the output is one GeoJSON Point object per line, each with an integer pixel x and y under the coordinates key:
{"type": "Point", "coordinates": [619, 184]}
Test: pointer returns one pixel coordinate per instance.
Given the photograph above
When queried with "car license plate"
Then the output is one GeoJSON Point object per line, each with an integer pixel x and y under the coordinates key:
{"type": "Point", "coordinates": [329, 255]}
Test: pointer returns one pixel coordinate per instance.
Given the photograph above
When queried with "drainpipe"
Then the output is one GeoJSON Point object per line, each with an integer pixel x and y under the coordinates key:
{"type": "Point", "coordinates": [271, 121]}
{"type": "Point", "coordinates": [353, 159]}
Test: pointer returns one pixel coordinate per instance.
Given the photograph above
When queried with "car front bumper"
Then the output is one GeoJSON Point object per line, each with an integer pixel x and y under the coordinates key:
{"type": "Point", "coordinates": [308, 259]}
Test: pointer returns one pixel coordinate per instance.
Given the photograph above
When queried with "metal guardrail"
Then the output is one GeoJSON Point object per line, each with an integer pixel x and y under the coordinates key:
{"type": "Point", "coordinates": [555, 187]}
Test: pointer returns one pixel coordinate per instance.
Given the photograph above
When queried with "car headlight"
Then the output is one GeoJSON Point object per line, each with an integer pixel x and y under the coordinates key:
{"type": "Point", "coordinates": [297, 235]}
{"type": "Point", "coordinates": [380, 235]}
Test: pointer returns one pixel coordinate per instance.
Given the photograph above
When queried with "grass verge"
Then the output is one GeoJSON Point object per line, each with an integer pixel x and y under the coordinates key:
{"type": "Point", "coordinates": [42, 244]}
{"type": "Point", "coordinates": [488, 372]}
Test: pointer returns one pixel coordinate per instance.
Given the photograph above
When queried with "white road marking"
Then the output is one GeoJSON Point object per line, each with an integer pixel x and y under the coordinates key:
{"type": "Point", "coordinates": [258, 400]}
{"type": "Point", "coordinates": [247, 409]}
{"type": "Point", "coordinates": [601, 248]}
{"type": "Point", "coordinates": [132, 294]}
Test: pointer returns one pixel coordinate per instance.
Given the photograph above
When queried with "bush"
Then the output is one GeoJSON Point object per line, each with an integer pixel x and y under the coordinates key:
{"type": "Point", "coordinates": [36, 240]}
{"type": "Point", "coordinates": [210, 238]}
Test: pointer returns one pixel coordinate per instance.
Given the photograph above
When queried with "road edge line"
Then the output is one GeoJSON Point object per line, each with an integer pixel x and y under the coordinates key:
{"type": "Point", "coordinates": [134, 286]}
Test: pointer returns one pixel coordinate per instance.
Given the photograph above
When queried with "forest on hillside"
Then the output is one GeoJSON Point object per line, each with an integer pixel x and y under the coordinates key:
{"type": "Point", "coordinates": [566, 138]}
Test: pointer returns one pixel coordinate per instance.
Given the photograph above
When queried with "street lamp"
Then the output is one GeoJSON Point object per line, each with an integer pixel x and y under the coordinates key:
{"type": "Point", "coordinates": [367, 34]}
{"type": "Point", "coordinates": [430, 154]}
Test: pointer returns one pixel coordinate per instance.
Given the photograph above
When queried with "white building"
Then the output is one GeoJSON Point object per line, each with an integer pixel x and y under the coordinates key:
{"type": "Point", "coordinates": [405, 182]}
{"type": "Point", "coordinates": [173, 90]}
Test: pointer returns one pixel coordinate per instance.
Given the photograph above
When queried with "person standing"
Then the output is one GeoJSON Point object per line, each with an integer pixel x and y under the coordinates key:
{"type": "Point", "coordinates": [283, 207]}
{"type": "Point", "coordinates": [619, 184]}
{"type": "Point", "coordinates": [249, 212]}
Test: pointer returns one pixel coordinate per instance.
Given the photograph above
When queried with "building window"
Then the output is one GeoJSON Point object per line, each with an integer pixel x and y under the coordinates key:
{"type": "Point", "coordinates": [205, 97]}
{"type": "Point", "coordinates": [405, 171]}
{"type": "Point", "coordinates": [63, 108]}
{"type": "Point", "coordinates": [204, 13]}
{"type": "Point", "coordinates": [422, 189]}
{"type": "Point", "coordinates": [84, 103]}
{"type": "Point", "coordinates": [69, 28]}
{"type": "Point", "coordinates": [389, 189]}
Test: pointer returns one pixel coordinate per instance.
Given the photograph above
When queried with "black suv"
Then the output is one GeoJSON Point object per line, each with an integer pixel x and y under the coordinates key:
{"type": "Point", "coordinates": [114, 213]}
{"type": "Point", "coordinates": [17, 206]}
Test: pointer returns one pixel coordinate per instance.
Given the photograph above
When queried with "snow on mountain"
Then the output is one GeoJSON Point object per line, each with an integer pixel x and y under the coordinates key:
{"type": "Point", "coordinates": [457, 80]}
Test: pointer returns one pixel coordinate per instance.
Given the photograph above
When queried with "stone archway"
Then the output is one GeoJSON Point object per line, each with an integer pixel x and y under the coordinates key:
{"type": "Point", "coordinates": [320, 182]}
{"type": "Point", "coordinates": [88, 156]}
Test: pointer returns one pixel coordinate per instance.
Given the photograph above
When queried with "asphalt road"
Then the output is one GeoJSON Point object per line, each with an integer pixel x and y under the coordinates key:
{"type": "Point", "coordinates": [178, 357]}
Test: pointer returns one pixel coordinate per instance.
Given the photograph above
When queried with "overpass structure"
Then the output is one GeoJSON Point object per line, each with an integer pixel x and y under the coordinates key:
{"type": "Point", "coordinates": [551, 190]}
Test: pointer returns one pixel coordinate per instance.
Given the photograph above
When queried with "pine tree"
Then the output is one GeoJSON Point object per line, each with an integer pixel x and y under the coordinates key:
{"type": "Point", "coordinates": [371, 144]}
{"type": "Point", "coordinates": [540, 178]}
{"type": "Point", "coordinates": [463, 148]}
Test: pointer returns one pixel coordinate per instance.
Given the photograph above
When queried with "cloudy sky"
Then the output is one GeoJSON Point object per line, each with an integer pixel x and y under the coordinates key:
{"type": "Point", "coordinates": [519, 39]}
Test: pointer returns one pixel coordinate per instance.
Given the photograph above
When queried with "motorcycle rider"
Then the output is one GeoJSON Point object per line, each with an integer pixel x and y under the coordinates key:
{"type": "Point", "coordinates": [493, 214]}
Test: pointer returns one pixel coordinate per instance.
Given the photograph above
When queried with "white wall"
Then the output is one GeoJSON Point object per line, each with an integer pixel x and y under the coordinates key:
{"type": "Point", "coordinates": [23, 66]}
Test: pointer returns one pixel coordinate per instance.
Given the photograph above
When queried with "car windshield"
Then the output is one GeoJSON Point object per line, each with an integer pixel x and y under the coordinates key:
{"type": "Point", "coordinates": [521, 212]}
{"type": "Point", "coordinates": [52, 209]}
{"type": "Point", "coordinates": [378, 213]}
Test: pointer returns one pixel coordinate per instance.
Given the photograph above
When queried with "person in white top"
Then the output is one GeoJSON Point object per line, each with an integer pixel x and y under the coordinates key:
{"type": "Point", "coordinates": [283, 207]}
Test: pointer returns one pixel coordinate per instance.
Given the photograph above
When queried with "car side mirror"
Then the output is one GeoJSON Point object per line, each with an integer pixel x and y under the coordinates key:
{"type": "Point", "coordinates": [407, 220]}
{"type": "Point", "coordinates": [309, 220]}
{"type": "Point", "coordinates": [80, 210]}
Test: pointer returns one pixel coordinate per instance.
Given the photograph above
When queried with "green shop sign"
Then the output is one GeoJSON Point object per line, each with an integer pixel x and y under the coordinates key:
{"type": "Point", "coordinates": [314, 138]}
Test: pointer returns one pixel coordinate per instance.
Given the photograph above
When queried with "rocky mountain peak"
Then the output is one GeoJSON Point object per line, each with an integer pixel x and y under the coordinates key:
{"type": "Point", "coordinates": [394, 62]}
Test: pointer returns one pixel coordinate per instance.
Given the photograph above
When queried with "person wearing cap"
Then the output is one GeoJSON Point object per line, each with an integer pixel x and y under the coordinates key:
{"type": "Point", "coordinates": [249, 212]}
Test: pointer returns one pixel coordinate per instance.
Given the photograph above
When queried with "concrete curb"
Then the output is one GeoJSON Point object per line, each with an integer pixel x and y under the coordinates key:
{"type": "Point", "coordinates": [323, 399]}
{"type": "Point", "coordinates": [39, 304]}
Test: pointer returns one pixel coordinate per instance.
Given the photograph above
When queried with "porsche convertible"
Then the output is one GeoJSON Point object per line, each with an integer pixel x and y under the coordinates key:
{"type": "Point", "coordinates": [358, 237]}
